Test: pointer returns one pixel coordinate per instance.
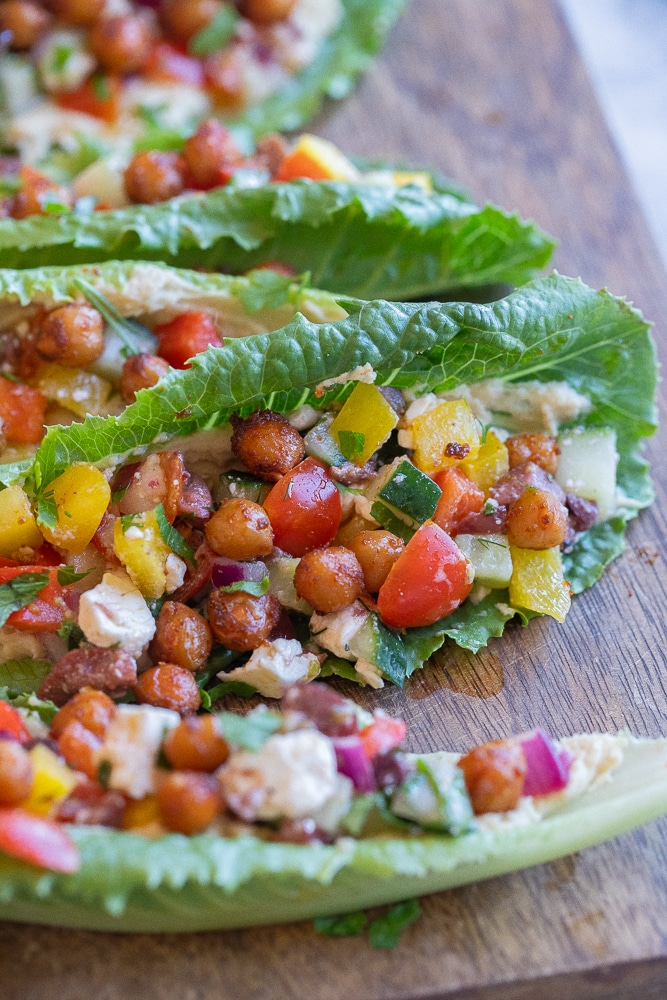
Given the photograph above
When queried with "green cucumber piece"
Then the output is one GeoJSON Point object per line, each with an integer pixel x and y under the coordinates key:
{"type": "Point", "coordinates": [281, 578]}
{"type": "Point", "coordinates": [409, 493]}
{"type": "Point", "coordinates": [490, 558]}
{"type": "Point", "coordinates": [233, 485]}
{"type": "Point", "coordinates": [388, 519]}
{"type": "Point", "coordinates": [435, 796]}
{"type": "Point", "coordinates": [320, 443]}
{"type": "Point", "coordinates": [587, 465]}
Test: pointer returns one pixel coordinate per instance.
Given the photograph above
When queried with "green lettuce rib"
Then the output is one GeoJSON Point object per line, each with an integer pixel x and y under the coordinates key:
{"type": "Point", "coordinates": [367, 240]}
{"type": "Point", "coordinates": [131, 883]}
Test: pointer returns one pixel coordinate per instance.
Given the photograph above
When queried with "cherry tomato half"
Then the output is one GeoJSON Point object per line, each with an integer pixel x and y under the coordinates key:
{"type": "Point", "coordinates": [428, 580]}
{"type": "Point", "coordinates": [304, 508]}
{"type": "Point", "coordinates": [46, 613]}
{"type": "Point", "coordinates": [36, 840]}
{"type": "Point", "coordinates": [186, 335]}
{"type": "Point", "coordinates": [12, 723]}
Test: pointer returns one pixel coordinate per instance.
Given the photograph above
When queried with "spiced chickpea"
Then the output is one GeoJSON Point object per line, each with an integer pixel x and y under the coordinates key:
{"type": "Point", "coordinates": [267, 11]}
{"type": "Point", "coordinates": [208, 151]}
{"type": "Point", "coordinates": [494, 775]}
{"type": "Point", "coordinates": [92, 708]}
{"type": "Point", "coordinates": [26, 21]}
{"type": "Point", "coordinates": [16, 773]}
{"type": "Point", "coordinates": [152, 176]}
{"type": "Point", "coordinates": [376, 551]}
{"type": "Point", "coordinates": [196, 744]}
{"type": "Point", "coordinates": [168, 686]}
{"type": "Point", "coordinates": [80, 12]}
{"type": "Point", "coordinates": [121, 44]}
{"type": "Point", "coordinates": [185, 18]}
{"type": "Point", "coordinates": [267, 444]}
{"type": "Point", "coordinates": [240, 529]}
{"type": "Point", "coordinates": [329, 579]}
{"type": "Point", "coordinates": [36, 191]}
{"type": "Point", "coordinates": [242, 621]}
{"type": "Point", "coordinates": [182, 636]}
{"type": "Point", "coordinates": [188, 801]}
{"type": "Point", "coordinates": [536, 520]}
{"type": "Point", "coordinates": [71, 335]}
{"type": "Point", "coordinates": [79, 746]}
{"type": "Point", "coordinates": [538, 448]}
{"type": "Point", "coordinates": [140, 371]}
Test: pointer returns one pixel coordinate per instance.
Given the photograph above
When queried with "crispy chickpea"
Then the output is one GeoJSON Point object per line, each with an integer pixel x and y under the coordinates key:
{"type": "Point", "coordinates": [376, 551]}
{"type": "Point", "coordinates": [27, 22]}
{"type": "Point", "coordinates": [36, 191]}
{"type": "Point", "coordinates": [92, 708]}
{"type": "Point", "coordinates": [182, 636]}
{"type": "Point", "coordinates": [122, 43]}
{"type": "Point", "coordinates": [536, 520]}
{"type": "Point", "coordinates": [538, 448]}
{"type": "Point", "coordinates": [329, 579]}
{"type": "Point", "coordinates": [240, 529]}
{"type": "Point", "coordinates": [80, 12]}
{"type": "Point", "coordinates": [71, 335]}
{"type": "Point", "coordinates": [208, 151]}
{"type": "Point", "coordinates": [140, 371]}
{"type": "Point", "coordinates": [494, 775]}
{"type": "Point", "coordinates": [79, 746]}
{"type": "Point", "coordinates": [267, 444]}
{"type": "Point", "coordinates": [16, 773]}
{"type": "Point", "coordinates": [267, 11]}
{"type": "Point", "coordinates": [185, 18]}
{"type": "Point", "coordinates": [196, 744]}
{"type": "Point", "coordinates": [153, 176]}
{"type": "Point", "coordinates": [168, 686]}
{"type": "Point", "coordinates": [241, 621]}
{"type": "Point", "coordinates": [188, 801]}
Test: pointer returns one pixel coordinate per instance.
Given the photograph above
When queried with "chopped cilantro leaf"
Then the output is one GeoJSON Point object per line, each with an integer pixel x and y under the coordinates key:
{"type": "Point", "coordinates": [19, 592]}
{"type": "Point", "coordinates": [173, 538]}
{"type": "Point", "coordinates": [385, 931]}
{"type": "Point", "coordinates": [249, 732]}
{"type": "Point", "coordinates": [255, 587]}
{"type": "Point", "coordinates": [348, 925]}
{"type": "Point", "coordinates": [351, 443]}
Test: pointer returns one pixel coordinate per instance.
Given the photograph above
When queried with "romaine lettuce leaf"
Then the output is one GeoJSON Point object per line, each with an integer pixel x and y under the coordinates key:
{"type": "Point", "coordinates": [175, 883]}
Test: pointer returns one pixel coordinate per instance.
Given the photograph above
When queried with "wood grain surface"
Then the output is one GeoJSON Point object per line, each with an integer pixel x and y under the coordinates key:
{"type": "Point", "coordinates": [495, 95]}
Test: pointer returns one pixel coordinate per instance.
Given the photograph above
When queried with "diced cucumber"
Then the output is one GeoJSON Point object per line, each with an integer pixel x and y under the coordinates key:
{"type": "Point", "coordinates": [320, 443]}
{"type": "Point", "coordinates": [587, 465]}
{"type": "Point", "coordinates": [18, 84]}
{"type": "Point", "coordinates": [410, 494]}
{"type": "Point", "coordinates": [490, 558]}
{"type": "Point", "coordinates": [435, 796]}
{"type": "Point", "coordinates": [240, 484]}
{"type": "Point", "coordinates": [389, 520]}
{"type": "Point", "coordinates": [281, 577]}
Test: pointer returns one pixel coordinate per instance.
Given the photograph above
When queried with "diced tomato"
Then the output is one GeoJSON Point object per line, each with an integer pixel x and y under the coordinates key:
{"type": "Point", "coordinates": [460, 497]}
{"type": "Point", "coordinates": [168, 62]}
{"type": "Point", "coordinates": [47, 612]}
{"type": "Point", "coordinates": [304, 508]}
{"type": "Point", "coordinates": [428, 580]}
{"type": "Point", "coordinates": [185, 336]}
{"type": "Point", "coordinates": [22, 411]}
{"type": "Point", "coordinates": [38, 841]}
{"type": "Point", "coordinates": [383, 734]}
{"type": "Point", "coordinates": [11, 722]}
{"type": "Point", "coordinates": [98, 96]}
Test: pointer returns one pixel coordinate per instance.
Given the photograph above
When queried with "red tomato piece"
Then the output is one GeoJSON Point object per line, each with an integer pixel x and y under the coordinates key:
{"type": "Point", "coordinates": [98, 96]}
{"type": "Point", "coordinates": [185, 336]}
{"type": "Point", "coordinates": [304, 508]}
{"type": "Point", "coordinates": [38, 841]}
{"type": "Point", "coordinates": [47, 612]}
{"type": "Point", "coordinates": [383, 734]}
{"type": "Point", "coordinates": [460, 497]}
{"type": "Point", "coordinates": [428, 580]}
{"type": "Point", "coordinates": [22, 411]}
{"type": "Point", "coordinates": [168, 62]}
{"type": "Point", "coordinates": [12, 723]}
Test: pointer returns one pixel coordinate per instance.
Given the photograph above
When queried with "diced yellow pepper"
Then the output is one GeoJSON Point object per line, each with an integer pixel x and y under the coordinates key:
{"type": "Point", "coordinates": [53, 781]}
{"type": "Point", "coordinates": [79, 391]}
{"type": "Point", "coordinates": [143, 552]}
{"type": "Point", "coordinates": [489, 464]}
{"type": "Point", "coordinates": [364, 423]}
{"type": "Point", "coordinates": [317, 159]}
{"type": "Point", "coordinates": [418, 178]}
{"type": "Point", "coordinates": [17, 522]}
{"type": "Point", "coordinates": [537, 582]}
{"type": "Point", "coordinates": [81, 495]}
{"type": "Point", "coordinates": [141, 812]}
{"type": "Point", "coordinates": [445, 436]}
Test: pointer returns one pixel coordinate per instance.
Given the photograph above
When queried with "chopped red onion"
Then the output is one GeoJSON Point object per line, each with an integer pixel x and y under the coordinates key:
{"type": "Point", "coordinates": [352, 761]}
{"type": "Point", "coordinates": [547, 767]}
{"type": "Point", "coordinates": [329, 711]}
{"type": "Point", "coordinates": [226, 571]}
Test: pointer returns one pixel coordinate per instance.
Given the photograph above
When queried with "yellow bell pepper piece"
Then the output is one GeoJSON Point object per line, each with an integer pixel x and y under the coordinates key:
{"type": "Point", "coordinates": [317, 159]}
{"type": "Point", "coordinates": [418, 178]}
{"type": "Point", "coordinates": [537, 582]}
{"type": "Point", "coordinates": [53, 781]}
{"type": "Point", "coordinates": [489, 464]}
{"type": "Point", "coordinates": [17, 522]}
{"type": "Point", "coordinates": [445, 436]}
{"type": "Point", "coordinates": [143, 552]}
{"type": "Point", "coordinates": [81, 495]}
{"type": "Point", "coordinates": [364, 423]}
{"type": "Point", "coordinates": [141, 812]}
{"type": "Point", "coordinates": [79, 391]}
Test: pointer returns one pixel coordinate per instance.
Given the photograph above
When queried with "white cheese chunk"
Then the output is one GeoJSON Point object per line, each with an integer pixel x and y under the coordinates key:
{"type": "Point", "coordinates": [114, 613]}
{"type": "Point", "coordinates": [174, 569]}
{"type": "Point", "coordinates": [274, 665]}
{"type": "Point", "coordinates": [130, 747]}
{"type": "Point", "coordinates": [335, 631]}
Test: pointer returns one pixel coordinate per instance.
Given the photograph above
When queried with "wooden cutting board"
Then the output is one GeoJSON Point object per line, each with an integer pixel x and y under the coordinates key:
{"type": "Point", "coordinates": [495, 95]}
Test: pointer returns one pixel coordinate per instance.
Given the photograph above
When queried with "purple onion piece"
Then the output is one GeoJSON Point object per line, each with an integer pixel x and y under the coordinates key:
{"type": "Point", "coordinates": [227, 571]}
{"type": "Point", "coordinates": [329, 711]}
{"type": "Point", "coordinates": [547, 767]}
{"type": "Point", "coordinates": [352, 761]}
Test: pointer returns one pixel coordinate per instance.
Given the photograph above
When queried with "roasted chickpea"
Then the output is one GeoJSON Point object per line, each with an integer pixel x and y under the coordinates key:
{"type": "Point", "coordinates": [185, 18]}
{"type": "Point", "coordinates": [71, 335]}
{"type": "Point", "coordinates": [240, 529]}
{"type": "Point", "coordinates": [168, 686]}
{"type": "Point", "coordinates": [241, 621]}
{"type": "Point", "coordinates": [121, 44]}
{"type": "Point", "coordinates": [376, 551]}
{"type": "Point", "coordinates": [494, 775]}
{"type": "Point", "coordinates": [93, 709]}
{"type": "Point", "coordinates": [182, 636]}
{"type": "Point", "coordinates": [538, 448]}
{"type": "Point", "coordinates": [196, 744]}
{"type": "Point", "coordinates": [26, 21]}
{"type": "Point", "coordinates": [36, 192]}
{"type": "Point", "coordinates": [536, 520]}
{"type": "Point", "coordinates": [267, 444]}
{"type": "Point", "coordinates": [153, 176]}
{"type": "Point", "coordinates": [329, 579]}
{"type": "Point", "coordinates": [79, 746]}
{"type": "Point", "coordinates": [140, 371]}
{"type": "Point", "coordinates": [188, 801]}
{"type": "Point", "coordinates": [16, 773]}
{"type": "Point", "coordinates": [80, 12]}
{"type": "Point", "coordinates": [208, 151]}
{"type": "Point", "coordinates": [267, 11]}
